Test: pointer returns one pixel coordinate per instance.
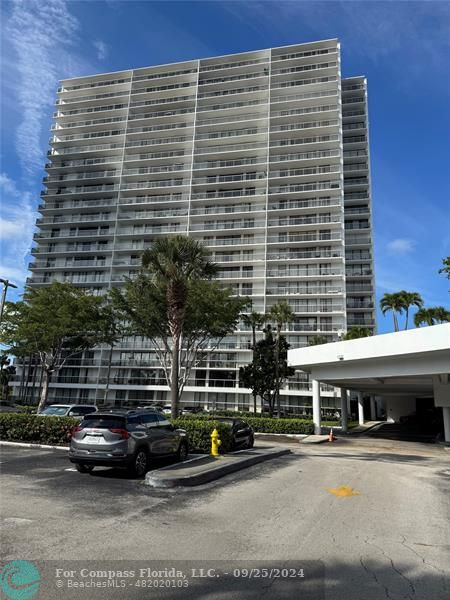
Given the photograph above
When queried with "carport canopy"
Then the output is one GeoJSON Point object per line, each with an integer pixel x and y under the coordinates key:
{"type": "Point", "coordinates": [396, 366]}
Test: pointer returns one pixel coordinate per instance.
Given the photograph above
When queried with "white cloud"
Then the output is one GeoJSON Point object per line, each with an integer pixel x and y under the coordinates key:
{"type": "Point", "coordinates": [401, 246]}
{"type": "Point", "coordinates": [17, 221]}
{"type": "Point", "coordinates": [102, 49]}
{"type": "Point", "coordinates": [39, 33]}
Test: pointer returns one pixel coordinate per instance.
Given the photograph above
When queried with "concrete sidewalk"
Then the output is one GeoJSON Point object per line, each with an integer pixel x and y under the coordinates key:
{"type": "Point", "coordinates": [205, 469]}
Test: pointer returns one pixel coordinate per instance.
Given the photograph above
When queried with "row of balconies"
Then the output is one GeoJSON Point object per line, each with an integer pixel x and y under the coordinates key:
{"type": "Point", "coordinates": [299, 290]}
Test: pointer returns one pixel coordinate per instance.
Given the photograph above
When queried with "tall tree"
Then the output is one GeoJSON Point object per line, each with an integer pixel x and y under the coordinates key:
{"type": "Point", "coordinates": [263, 375]}
{"type": "Point", "coordinates": [357, 332]}
{"type": "Point", "coordinates": [181, 321]}
{"type": "Point", "coordinates": [255, 321]}
{"type": "Point", "coordinates": [410, 299]}
{"type": "Point", "coordinates": [282, 315]}
{"type": "Point", "coordinates": [431, 316]}
{"type": "Point", "coordinates": [7, 372]}
{"type": "Point", "coordinates": [172, 263]}
{"type": "Point", "coordinates": [392, 302]}
{"type": "Point", "coordinates": [54, 322]}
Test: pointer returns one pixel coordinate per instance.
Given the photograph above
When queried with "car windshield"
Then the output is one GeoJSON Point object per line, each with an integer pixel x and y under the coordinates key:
{"type": "Point", "coordinates": [103, 421]}
{"type": "Point", "coordinates": [55, 411]}
{"type": "Point", "coordinates": [224, 420]}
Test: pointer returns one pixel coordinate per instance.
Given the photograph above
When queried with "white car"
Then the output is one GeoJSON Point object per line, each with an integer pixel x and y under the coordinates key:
{"type": "Point", "coordinates": [167, 409]}
{"type": "Point", "coordinates": [68, 410]}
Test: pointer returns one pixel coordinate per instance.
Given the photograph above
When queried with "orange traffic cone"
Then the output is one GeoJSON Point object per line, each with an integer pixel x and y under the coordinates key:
{"type": "Point", "coordinates": [331, 437]}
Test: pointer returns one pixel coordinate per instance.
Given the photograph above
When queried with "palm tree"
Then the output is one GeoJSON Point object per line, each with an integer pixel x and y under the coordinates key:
{"type": "Point", "coordinates": [173, 263]}
{"type": "Point", "coordinates": [317, 340]}
{"type": "Point", "coordinates": [431, 316]}
{"type": "Point", "coordinates": [282, 314]}
{"type": "Point", "coordinates": [254, 320]}
{"type": "Point", "coordinates": [410, 299]}
{"type": "Point", "coordinates": [393, 302]}
{"type": "Point", "coordinates": [357, 332]}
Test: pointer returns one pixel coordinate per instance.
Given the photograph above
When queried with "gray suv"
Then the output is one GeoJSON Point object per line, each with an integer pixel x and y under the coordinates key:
{"type": "Point", "coordinates": [125, 438]}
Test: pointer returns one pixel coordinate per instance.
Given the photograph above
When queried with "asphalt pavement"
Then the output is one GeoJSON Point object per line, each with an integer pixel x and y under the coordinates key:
{"type": "Point", "coordinates": [373, 517]}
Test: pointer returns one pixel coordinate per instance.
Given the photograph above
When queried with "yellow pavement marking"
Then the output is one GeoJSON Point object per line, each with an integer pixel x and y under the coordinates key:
{"type": "Point", "coordinates": [343, 491]}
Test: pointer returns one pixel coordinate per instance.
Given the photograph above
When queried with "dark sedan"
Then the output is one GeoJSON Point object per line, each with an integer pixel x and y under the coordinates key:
{"type": "Point", "coordinates": [242, 433]}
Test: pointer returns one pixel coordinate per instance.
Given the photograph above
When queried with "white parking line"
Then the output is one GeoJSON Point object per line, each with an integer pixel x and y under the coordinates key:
{"type": "Point", "coordinates": [70, 469]}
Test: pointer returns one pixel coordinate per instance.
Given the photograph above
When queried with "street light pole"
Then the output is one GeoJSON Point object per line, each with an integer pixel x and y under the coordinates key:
{"type": "Point", "coordinates": [6, 285]}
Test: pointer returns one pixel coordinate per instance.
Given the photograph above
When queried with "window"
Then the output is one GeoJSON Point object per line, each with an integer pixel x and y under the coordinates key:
{"type": "Point", "coordinates": [150, 419]}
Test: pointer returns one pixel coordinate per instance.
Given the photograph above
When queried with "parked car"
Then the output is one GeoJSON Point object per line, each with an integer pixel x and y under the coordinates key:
{"type": "Point", "coordinates": [125, 438]}
{"type": "Point", "coordinates": [191, 410]}
{"type": "Point", "coordinates": [243, 435]}
{"type": "Point", "coordinates": [167, 409]}
{"type": "Point", "coordinates": [68, 410]}
{"type": "Point", "coordinates": [8, 407]}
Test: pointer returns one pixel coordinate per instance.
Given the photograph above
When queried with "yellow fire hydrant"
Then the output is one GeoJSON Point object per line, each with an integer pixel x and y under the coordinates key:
{"type": "Point", "coordinates": [215, 443]}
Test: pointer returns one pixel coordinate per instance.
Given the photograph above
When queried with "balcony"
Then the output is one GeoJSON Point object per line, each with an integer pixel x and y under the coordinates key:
{"type": "Point", "coordinates": [302, 141]}
{"type": "Point", "coordinates": [305, 187]}
{"type": "Point", "coordinates": [283, 256]}
{"type": "Point", "coordinates": [213, 225]}
{"type": "Point", "coordinates": [232, 208]}
{"type": "Point", "coordinates": [139, 185]}
{"type": "Point", "coordinates": [300, 291]}
{"type": "Point", "coordinates": [229, 193]}
{"type": "Point", "coordinates": [304, 272]}
{"type": "Point", "coordinates": [303, 237]}
{"type": "Point", "coordinates": [308, 125]}
{"type": "Point", "coordinates": [161, 198]}
{"type": "Point", "coordinates": [307, 220]}
{"type": "Point", "coordinates": [316, 154]}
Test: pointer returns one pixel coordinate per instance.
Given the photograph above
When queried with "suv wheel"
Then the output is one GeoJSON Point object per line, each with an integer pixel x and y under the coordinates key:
{"type": "Point", "coordinates": [84, 468]}
{"type": "Point", "coordinates": [139, 464]}
{"type": "Point", "coordinates": [182, 453]}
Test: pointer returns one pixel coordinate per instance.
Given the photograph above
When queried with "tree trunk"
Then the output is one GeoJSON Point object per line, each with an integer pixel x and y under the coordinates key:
{"type": "Point", "coordinates": [108, 373]}
{"type": "Point", "coordinates": [395, 320]}
{"type": "Point", "coordinates": [277, 373]}
{"type": "Point", "coordinates": [44, 392]}
{"type": "Point", "coordinates": [406, 322]}
{"type": "Point", "coordinates": [174, 399]}
{"type": "Point", "coordinates": [254, 403]}
{"type": "Point", "coordinates": [254, 346]}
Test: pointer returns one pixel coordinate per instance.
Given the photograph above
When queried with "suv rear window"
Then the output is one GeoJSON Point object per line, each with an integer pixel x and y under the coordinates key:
{"type": "Point", "coordinates": [103, 421]}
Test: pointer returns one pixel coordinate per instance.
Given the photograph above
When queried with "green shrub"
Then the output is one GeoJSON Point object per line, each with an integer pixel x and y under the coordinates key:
{"type": "Point", "coordinates": [262, 424]}
{"type": "Point", "coordinates": [199, 433]}
{"type": "Point", "coordinates": [286, 425]}
{"type": "Point", "coordinates": [20, 427]}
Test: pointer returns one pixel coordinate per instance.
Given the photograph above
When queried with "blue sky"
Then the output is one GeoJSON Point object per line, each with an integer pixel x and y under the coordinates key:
{"type": "Point", "coordinates": [402, 47]}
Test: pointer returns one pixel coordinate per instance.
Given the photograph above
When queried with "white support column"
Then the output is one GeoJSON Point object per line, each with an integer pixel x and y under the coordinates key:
{"type": "Point", "coordinates": [316, 406]}
{"type": "Point", "coordinates": [373, 409]}
{"type": "Point", "coordinates": [344, 411]}
{"type": "Point", "coordinates": [446, 415]}
{"type": "Point", "coordinates": [360, 409]}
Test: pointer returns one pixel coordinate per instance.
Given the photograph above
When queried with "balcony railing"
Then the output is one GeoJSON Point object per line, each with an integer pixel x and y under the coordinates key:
{"type": "Point", "coordinates": [287, 291]}
{"type": "Point", "coordinates": [305, 155]}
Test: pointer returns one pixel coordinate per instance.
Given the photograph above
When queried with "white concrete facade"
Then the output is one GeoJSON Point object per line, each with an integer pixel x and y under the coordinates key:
{"type": "Point", "coordinates": [400, 367]}
{"type": "Point", "coordinates": [263, 156]}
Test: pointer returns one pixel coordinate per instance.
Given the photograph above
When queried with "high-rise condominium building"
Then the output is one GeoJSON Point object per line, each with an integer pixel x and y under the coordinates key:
{"type": "Point", "coordinates": [262, 156]}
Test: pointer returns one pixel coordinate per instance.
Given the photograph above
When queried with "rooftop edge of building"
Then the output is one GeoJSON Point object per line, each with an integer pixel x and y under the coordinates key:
{"type": "Point", "coordinates": [195, 60]}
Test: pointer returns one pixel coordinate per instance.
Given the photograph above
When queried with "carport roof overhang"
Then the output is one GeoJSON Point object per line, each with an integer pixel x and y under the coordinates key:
{"type": "Point", "coordinates": [405, 362]}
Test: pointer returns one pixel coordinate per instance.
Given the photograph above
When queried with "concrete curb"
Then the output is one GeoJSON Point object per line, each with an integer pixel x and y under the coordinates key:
{"type": "Point", "coordinates": [217, 470]}
{"type": "Point", "coordinates": [281, 436]}
{"type": "Point", "coordinates": [315, 439]}
{"type": "Point", "coordinates": [37, 446]}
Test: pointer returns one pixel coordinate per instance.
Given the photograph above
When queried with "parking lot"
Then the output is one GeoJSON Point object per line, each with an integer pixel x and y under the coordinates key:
{"type": "Point", "coordinates": [388, 535]}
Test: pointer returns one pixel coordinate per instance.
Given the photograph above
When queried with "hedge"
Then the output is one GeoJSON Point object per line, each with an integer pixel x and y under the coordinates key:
{"type": "Point", "coordinates": [17, 427]}
{"type": "Point", "coordinates": [261, 424]}
{"type": "Point", "coordinates": [199, 433]}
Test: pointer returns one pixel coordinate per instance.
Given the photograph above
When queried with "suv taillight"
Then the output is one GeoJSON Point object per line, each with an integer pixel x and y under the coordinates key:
{"type": "Point", "coordinates": [75, 430]}
{"type": "Point", "coordinates": [122, 432]}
